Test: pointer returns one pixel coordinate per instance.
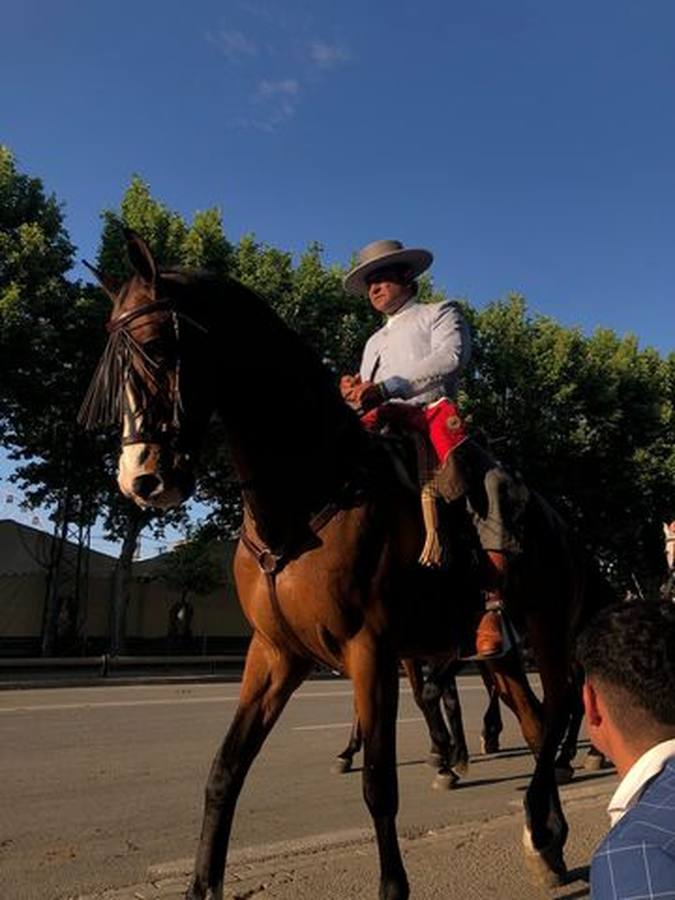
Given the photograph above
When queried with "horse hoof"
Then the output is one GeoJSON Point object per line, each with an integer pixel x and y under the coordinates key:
{"type": "Point", "coordinates": [593, 762]}
{"type": "Point", "coordinates": [461, 767]}
{"type": "Point", "coordinates": [489, 746]}
{"type": "Point", "coordinates": [341, 766]}
{"type": "Point", "coordinates": [435, 760]}
{"type": "Point", "coordinates": [394, 889]}
{"type": "Point", "coordinates": [195, 892]}
{"type": "Point", "coordinates": [547, 867]}
{"type": "Point", "coordinates": [445, 781]}
{"type": "Point", "coordinates": [542, 873]}
{"type": "Point", "coordinates": [564, 774]}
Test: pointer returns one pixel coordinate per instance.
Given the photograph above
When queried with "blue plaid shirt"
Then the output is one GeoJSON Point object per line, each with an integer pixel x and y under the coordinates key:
{"type": "Point", "coordinates": [636, 861]}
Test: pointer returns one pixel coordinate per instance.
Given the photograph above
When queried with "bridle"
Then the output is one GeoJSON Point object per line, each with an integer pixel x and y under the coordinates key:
{"type": "Point", "coordinates": [107, 401]}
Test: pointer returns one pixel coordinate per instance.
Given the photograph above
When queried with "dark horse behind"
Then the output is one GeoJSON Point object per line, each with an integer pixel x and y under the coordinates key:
{"type": "Point", "coordinates": [326, 567]}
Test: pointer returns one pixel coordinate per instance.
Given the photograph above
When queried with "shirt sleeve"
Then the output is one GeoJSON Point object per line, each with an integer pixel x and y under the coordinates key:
{"type": "Point", "coordinates": [450, 352]}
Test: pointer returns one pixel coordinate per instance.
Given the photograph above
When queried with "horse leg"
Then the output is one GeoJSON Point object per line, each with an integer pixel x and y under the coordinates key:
{"type": "Point", "coordinates": [426, 693]}
{"type": "Point", "coordinates": [492, 720]}
{"type": "Point", "coordinates": [270, 677]}
{"type": "Point", "coordinates": [545, 826]}
{"type": "Point", "coordinates": [423, 695]}
{"type": "Point", "coordinates": [564, 771]}
{"type": "Point", "coordinates": [374, 670]}
{"type": "Point", "coordinates": [458, 760]}
{"type": "Point", "coordinates": [345, 760]}
{"type": "Point", "coordinates": [594, 760]}
{"type": "Point", "coordinates": [510, 685]}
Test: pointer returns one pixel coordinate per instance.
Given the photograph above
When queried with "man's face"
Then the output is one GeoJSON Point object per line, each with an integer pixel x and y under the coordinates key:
{"type": "Point", "coordinates": [389, 288]}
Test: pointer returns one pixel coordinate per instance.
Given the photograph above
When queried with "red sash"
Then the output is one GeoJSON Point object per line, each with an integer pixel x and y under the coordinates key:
{"type": "Point", "coordinates": [439, 421]}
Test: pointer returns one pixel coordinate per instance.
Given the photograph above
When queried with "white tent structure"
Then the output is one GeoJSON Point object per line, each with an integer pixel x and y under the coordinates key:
{"type": "Point", "coordinates": [25, 554]}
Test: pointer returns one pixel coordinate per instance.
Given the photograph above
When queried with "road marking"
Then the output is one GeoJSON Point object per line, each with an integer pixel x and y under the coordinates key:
{"type": "Point", "coordinates": [173, 701]}
{"type": "Point", "coordinates": [346, 725]}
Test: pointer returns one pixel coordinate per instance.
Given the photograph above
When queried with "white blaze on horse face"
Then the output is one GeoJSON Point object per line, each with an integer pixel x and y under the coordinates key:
{"type": "Point", "coordinates": [136, 459]}
{"type": "Point", "coordinates": [669, 536]}
{"type": "Point", "coordinates": [141, 459]}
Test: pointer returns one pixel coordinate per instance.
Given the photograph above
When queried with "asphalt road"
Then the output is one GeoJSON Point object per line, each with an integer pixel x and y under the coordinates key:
{"type": "Point", "coordinates": [98, 784]}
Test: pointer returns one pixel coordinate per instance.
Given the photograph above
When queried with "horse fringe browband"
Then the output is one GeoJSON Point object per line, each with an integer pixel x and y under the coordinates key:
{"type": "Point", "coordinates": [124, 360]}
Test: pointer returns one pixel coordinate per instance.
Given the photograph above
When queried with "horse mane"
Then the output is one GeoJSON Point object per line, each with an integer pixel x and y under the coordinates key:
{"type": "Point", "coordinates": [297, 441]}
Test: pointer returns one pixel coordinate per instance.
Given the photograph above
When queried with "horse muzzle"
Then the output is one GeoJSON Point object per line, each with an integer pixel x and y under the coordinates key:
{"type": "Point", "coordinates": [151, 477]}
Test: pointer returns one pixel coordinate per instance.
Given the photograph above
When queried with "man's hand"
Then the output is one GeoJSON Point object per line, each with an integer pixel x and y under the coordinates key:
{"type": "Point", "coordinates": [367, 395]}
{"type": "Point", "coordinates": [348, 384]}
{"type": "Point", "coordinates": [360, 395]}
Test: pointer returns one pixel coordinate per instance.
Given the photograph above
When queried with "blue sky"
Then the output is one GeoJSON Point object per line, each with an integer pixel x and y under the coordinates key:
{"type": "Point", "coordinates": [529, 144]}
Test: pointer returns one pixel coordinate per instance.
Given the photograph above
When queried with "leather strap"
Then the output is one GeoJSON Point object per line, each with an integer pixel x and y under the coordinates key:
{"type": "Point", "coordinates": [271, 564]}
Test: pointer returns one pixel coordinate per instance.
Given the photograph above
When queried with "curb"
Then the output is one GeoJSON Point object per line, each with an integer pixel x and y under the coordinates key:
{"type": "Point", "coordinates": [582, 795]}
{"type": "Point", "coordinates": [260, 853]}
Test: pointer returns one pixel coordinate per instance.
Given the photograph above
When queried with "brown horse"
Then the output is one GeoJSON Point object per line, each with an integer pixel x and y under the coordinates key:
{"type": "Point", "coordinates": [326, 567]}
{"type": "Point", "coordinates": [435, 693]}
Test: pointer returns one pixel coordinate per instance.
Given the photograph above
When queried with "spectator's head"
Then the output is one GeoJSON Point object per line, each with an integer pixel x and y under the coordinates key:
{"type": "Point", "coordinates": [628, 656]}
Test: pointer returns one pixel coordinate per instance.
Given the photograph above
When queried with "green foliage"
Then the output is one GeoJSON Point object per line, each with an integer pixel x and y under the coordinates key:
{"type": "Point", "coordinates": [201, 245]}
{"type": "Point", "coordinates": [589, 420]}
{"type": "Point", "coordinates": [35, 254]}
{"type": "Point", "coordinates": [45, 345]}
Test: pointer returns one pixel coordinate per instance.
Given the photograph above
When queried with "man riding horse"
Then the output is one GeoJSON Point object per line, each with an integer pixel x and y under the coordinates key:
{"type": "Point", "coordinates": [411, 368]}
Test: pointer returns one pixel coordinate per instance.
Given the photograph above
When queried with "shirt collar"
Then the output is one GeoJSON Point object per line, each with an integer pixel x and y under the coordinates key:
{"type": "Point", "coordinates": [635, 780]}
{"type": "Point", "coordinates": [390, 320]}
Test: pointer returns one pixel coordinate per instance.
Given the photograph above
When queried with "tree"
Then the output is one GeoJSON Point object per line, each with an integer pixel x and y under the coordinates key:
{"type": "Point", "coordinates": [586, 419]}
{"type": "Point", "coordinates": [193, 567]}
{"type": "Point", "coordinates": [41, 348]}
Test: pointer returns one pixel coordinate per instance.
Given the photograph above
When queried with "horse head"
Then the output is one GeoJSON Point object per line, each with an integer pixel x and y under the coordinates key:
{"type": "Point", "coordinates": [669, 538]}
{"type": "Point", "coordinates": [149, 382]}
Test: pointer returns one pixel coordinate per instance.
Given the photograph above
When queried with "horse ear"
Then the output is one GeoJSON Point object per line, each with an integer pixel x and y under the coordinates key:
{"type": "Point", "coordinates": [105, 281]}
{"type": "Point", "coordinates": [140, 256]}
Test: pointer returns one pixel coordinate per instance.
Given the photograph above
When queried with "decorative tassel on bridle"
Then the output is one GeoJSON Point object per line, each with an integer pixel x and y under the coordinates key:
{"type": "Point", "coordinates": [127, 369]}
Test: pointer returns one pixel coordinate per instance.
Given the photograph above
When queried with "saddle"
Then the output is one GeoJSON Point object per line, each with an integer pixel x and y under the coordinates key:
{"type": "Point", "coordinates": [433, 455]}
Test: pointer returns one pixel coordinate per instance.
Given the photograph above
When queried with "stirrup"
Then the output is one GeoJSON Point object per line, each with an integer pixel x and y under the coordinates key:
{"type": "Point", "coordinates": [509, 640]}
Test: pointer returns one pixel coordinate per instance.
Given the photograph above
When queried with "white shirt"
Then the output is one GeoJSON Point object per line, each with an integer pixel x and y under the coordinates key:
{"type": "Point", "coordinates": [635, 780]}
{"type": "Point", "coordinates": [419, 352]}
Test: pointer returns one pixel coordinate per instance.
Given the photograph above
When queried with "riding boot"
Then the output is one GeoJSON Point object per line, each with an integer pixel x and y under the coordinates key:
{"type": "Point", "coordinates": [489, 641]}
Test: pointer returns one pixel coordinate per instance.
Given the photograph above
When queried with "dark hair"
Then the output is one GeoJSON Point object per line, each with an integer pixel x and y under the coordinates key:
{"type": "Point", "coordinates": [630, 649]}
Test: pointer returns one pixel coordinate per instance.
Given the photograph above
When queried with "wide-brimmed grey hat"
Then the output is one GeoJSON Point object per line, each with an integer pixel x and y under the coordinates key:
{"type": "Point", "coordinates": [384, 253]}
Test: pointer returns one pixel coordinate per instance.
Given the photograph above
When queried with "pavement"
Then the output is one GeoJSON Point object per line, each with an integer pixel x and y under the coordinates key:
{"type": "Point", "coordinates": [471, 861]}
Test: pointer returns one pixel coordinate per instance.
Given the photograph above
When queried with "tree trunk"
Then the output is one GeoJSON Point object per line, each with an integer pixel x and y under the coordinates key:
{"type": "Point", "coordinates": [121, 587]}
{"type": "Point", "coordinates": [53, 594]}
